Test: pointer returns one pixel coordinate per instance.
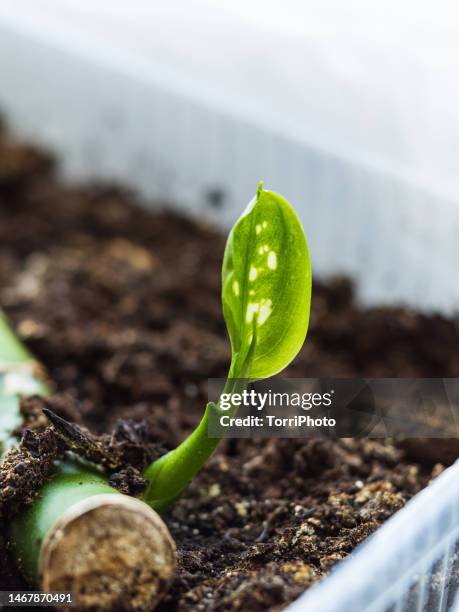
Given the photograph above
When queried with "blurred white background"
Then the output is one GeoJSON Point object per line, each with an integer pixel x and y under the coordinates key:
{"type": "Point", "coordinates": [350, 110]}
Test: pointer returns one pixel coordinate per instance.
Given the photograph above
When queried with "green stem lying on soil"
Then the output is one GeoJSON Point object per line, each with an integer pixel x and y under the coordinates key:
{"type": "Point", "coordinates": [71, 483]}
{"type": "Point", "coordinates": [128, 528]}
{"type": "Point", "coordinates": [20, 373]}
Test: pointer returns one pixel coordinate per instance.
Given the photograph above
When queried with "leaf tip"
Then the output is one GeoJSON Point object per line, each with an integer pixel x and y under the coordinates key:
{"type": "Point", "coordinates": [259, 189]}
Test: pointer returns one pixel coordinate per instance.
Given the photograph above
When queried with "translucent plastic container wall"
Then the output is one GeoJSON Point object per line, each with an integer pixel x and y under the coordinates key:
{"type": "Point", "coordinates": [351, 118]}
{"type": "Point", "coordinates": [411, 564]}
{"type": "Point", "coordinates": [355, 121]}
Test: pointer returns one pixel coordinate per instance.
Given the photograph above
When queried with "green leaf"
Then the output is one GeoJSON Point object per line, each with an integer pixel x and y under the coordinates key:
{"type": "Point", "coordinates": [266, 285]}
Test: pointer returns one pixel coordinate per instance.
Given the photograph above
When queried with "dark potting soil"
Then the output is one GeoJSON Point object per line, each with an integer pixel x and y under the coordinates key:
{"type": "Point", "coordinates": [122, 306]}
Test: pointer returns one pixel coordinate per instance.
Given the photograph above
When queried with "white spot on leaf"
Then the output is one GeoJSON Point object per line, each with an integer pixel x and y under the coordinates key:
{"type": "Point", "coordinates": [272, 260]}
{"type": "Point", "coordinates": [252, 308]}
{"type": "Point", "coordinates": [236, 288]}
{"type": "Point", "coordinates": [253, 274]}
{"type": "Point", "coordinates": [264, 311]}
{"type": "Point", "coordinates": [263, 308]}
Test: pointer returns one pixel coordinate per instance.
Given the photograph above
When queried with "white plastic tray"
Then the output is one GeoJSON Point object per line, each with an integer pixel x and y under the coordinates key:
{"type": "Point", "coordinates": [410, 564]}
{"type": "Point", "coordinates": [182, 100]}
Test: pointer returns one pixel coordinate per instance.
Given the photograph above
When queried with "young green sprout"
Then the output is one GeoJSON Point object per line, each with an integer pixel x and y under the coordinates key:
{"type": "Point", "coordinates": [266, 296]}
{"type": "Point", "coordinates": [67, 537]}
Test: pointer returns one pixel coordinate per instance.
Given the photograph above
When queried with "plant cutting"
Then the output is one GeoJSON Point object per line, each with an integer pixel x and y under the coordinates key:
{"type": "Point", "coordinates": [266, 287]}
{"type": "Point", "coordinates": [79, 534]}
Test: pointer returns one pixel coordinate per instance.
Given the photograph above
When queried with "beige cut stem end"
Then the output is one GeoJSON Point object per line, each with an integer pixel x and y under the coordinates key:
{"type": "Point", "coordinates": [112, 551]}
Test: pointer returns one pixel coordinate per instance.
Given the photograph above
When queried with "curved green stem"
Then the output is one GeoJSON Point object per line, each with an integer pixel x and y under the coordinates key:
{"type": "Point", "coordinates": [169, 475]}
